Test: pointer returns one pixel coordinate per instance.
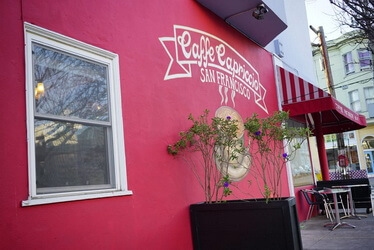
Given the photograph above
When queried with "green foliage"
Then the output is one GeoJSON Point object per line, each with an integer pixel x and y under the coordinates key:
{"type": "Point", "coordinates": [268, 139]}
{"type": "Point", "coordinates": [216, 140]}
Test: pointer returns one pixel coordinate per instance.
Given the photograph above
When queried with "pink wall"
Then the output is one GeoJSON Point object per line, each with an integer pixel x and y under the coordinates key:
{"type": "Point", "coordinates": [154, 111]}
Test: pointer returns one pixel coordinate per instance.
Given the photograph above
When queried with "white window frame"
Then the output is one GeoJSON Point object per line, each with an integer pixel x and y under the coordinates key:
{"type": "Point", "coordinates": [367, 98]}
{"type": "Point", "coordinates": [351, 101]}
{"type": "Point", "coordinates": [349, 66]}
{"type": "Point", "coordinates": [60, 42]}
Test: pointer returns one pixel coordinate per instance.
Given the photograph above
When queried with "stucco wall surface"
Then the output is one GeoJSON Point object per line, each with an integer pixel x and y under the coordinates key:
{"type": "Point", "coordinates": [155, 110]}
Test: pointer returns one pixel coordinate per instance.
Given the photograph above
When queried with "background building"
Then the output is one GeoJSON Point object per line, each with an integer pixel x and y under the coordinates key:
{"type": "Point", "coordinates": [352, 71]}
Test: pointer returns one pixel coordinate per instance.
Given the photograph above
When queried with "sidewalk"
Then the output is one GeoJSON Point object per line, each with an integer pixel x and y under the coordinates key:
{"type": "Point", "coordinates": [315, 236]}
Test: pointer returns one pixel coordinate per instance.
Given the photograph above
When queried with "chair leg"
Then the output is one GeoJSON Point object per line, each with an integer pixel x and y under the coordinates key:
{"type": "Point", "coordinates": [341, 201]}
{"type": "Point", "coordinates": [332, 215]}
{"type": "Point", "coordinates": [309, 215]}
{"type": "Point", "coordinates": [326, 210]}
{"type": "Point", "coordinates": [329, 214]}
{"type": "Point", "coordinates": [349, 208]}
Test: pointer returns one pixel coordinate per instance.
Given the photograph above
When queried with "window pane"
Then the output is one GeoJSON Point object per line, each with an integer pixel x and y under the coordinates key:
{"type": "Point", "coordinates": [355, 100]}
{"type": "Point", "coordinates": [301, 166]}
{"type": "Point", "coordinates": [69, 86]}
{"type": "Point", "coordinates": [369, 95]}
{"type": "Point", "coordinates": [348, 63]}
{"type": "Point", "coordinates": [365, 58]}
{"type": "Point", "coordinates": [356, 106]}
{"type": "Point", "coordinates": [70, 155]}
{"type": "Point", "coordinates": [365, 63]}
{"type": "Point", "coordinates": [368, 142]}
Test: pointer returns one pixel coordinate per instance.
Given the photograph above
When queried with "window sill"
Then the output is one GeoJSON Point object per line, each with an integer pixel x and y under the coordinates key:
{"type": "Point", "coordinates": [75, 197]}
{"type": "Point", "coordinates": [365, 68]}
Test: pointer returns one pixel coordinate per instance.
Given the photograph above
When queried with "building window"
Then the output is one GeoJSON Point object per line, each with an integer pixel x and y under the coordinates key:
{"type": "Point", "coordinates": [75, 133]}
{"type": "Point", "coordinates": [321, 64]}
{"type": "Point", "coordinates": [348, 63]}
{"type": "Point", "coordinates": [364, 57]}
{"type": "Point", "coordinates": [368, 142]}
{"type": "Point", "coordinates": [301, 166]}
{"type": "Point", "coordinates": [369, 95]}
{"type": "Point", "coordinates": [355, 100]}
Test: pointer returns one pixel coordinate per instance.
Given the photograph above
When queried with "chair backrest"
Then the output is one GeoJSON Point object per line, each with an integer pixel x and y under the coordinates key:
{"type": "Point", "coordinates": [306, 193]}
{"type": "Point", "coordinates": [319, 198]}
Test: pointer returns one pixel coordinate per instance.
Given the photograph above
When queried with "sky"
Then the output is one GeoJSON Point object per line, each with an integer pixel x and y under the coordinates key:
{"type": "Point", "coordinates": [321, 13]}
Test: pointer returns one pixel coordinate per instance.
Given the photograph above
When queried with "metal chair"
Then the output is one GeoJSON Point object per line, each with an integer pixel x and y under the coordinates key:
{"type": "Point", "coordinates": [319, 200]}
{"type": "Point", "coordinates": [329, 203]}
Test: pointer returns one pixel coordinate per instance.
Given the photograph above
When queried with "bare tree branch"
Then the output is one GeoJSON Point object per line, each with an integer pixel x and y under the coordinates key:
{"type": "Point", "coordinates": [359, 15]}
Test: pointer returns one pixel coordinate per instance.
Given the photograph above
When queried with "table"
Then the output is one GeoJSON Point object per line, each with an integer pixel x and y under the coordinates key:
{"type": "Point", "coordinates": [337, 223]}
{"type": "Point", "coordinates": [352, 209]}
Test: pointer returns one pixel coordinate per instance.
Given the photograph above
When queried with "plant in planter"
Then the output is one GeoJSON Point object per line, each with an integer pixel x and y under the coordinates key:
{"type": "Point", "coordinates": [219, 146]}
{"type": "Point", "coordinates": [272, 143]}
{"type": "Point", "coordinates": [241, 224]}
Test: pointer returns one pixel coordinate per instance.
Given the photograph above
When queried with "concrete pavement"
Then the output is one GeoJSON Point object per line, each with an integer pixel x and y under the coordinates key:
{"type": "Point", "coordinates": [315, 236]}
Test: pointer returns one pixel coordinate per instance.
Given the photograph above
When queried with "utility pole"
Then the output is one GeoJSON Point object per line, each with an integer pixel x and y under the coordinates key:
{"type": "Point", "coordinates": [330, 83]}
{"type": "Point", "coordinates": [326, 61]}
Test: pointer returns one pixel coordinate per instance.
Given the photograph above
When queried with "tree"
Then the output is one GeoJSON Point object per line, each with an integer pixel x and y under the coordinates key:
{"type": "Point", "coordinates": [359, 15]}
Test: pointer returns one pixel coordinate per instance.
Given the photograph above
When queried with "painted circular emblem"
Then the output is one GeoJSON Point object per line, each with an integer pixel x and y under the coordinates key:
{"type": "Point", "coordinates": [237, 168]}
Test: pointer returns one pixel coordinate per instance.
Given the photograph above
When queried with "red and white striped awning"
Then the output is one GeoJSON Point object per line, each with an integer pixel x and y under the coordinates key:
{"type": "Point", "coordinates": [310, 104]}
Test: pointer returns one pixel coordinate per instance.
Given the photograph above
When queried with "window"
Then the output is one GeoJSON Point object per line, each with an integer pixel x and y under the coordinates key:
{"type": "Point", "coordinates": [327, 138]}
{"type": "Point", "coordinates": [355, 101]}
{"type": "Point", "coordinates": [321, 64]}
{"type": "Point", "coordinates": [74, 119]}
{"type": "Point", "coordinates": [348, 63]}
{"type": "Point", "coordinates": [369, 95]}
{"type": "Point", "coordinates": [364, 57]}
{"type": "Point", "coordinates": [368, 142]}
{"type": "Point", "coordinates": [330, 138]}
{"type": "Point", "coordinates": [301, 166]}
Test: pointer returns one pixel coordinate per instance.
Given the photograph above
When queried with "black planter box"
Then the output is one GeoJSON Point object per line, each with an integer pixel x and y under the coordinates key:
{"type": "Point", "coordinates": [248, 224]}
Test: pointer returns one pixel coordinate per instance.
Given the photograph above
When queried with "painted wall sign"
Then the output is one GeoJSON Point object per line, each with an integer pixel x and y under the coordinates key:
{"type": "Point", "coordinates": [239, 167]}
{"type": "Point", "coordinates": [216, 61]}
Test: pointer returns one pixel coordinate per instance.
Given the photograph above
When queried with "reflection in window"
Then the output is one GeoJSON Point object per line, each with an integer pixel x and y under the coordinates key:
{"type": "Point", "coordinates": [70, 154]}
{"type": "Point", "coordinates": [369, 161]}
{"type": "Point", "coordinates": [74, 120]}
{"type": "Point", "coordinates": [72, 87]}
{"type": "Point", "coordinates": [353, 158]}
{"type": "Point", "coordinates": [332, 152]}
{"type": "Point", "coordinates": [301, 165]}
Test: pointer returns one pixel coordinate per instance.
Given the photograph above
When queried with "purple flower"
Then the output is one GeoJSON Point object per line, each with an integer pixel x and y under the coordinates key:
{"type": "Point", "coordinates": [258, 133]}
{"type": "Point", "coordinates": [228, 117]}
{"type": "Point", "coordinates": [226, 184]}
{"type": "Point", "coordinates": [284, 155]}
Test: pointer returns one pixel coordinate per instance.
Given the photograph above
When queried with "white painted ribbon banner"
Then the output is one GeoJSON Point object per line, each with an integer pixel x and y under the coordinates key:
{"type": "Point", "coordinates": [217, 61]}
